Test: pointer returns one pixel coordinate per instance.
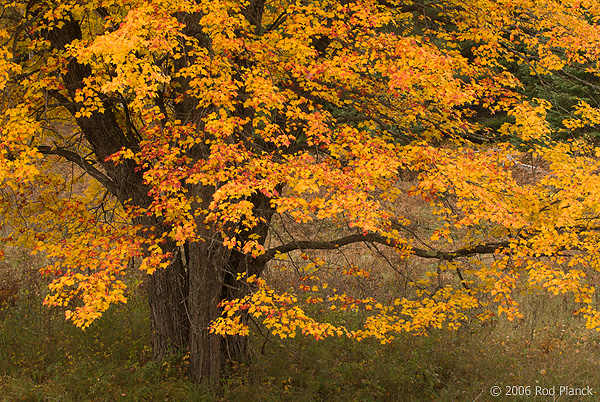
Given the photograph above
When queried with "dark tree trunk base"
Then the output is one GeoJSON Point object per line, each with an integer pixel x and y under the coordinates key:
{"type": "Point", "coordinates": [167, 292]}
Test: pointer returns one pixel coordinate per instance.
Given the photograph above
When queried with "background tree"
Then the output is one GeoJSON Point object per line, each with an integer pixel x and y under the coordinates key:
{"type": "Point", "coordinates": [174, 133]}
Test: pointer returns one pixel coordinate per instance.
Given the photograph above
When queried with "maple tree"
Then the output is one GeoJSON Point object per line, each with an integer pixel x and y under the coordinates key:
{"type": "Point", "coordinates": [175, 133]}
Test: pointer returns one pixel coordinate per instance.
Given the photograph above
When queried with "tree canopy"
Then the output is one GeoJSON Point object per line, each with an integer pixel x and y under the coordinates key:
{"type": "Point", "coordinates": [173, 136]}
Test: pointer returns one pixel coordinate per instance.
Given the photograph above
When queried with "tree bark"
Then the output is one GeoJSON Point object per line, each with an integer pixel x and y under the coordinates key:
{"type": "Point", "coordinates": [213, 271]}
{"type": "Point", "coordinates": [167, 291]}
{"type": "Point", "coordinates": [206, 261]}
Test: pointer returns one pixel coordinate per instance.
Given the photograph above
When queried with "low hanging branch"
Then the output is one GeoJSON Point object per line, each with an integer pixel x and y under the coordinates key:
{"type": "Point", "coordinates": [82, 163]}
{"type": "Point", "coordinates": [484, 248]}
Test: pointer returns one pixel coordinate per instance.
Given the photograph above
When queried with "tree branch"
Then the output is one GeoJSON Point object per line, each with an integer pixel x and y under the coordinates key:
{"type": "Point", "coordinates": [484, 248]}
{"type": "Point", "coordinates": [82, 163]}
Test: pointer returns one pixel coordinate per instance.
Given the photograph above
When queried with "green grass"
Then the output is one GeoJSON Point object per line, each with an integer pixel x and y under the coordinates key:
{"type": "Point", "coordinates": [44, 358]}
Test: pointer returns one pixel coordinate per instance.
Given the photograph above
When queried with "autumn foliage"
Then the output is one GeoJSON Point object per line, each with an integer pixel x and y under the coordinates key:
{"type": "Point", "coordinates": [173, 136]}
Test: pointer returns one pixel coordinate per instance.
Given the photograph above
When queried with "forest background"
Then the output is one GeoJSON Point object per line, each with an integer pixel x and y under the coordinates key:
{"type": "Point", "coordinates": [298, 200]}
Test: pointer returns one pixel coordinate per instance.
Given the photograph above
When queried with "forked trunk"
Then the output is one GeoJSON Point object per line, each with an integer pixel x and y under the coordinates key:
{"type": "Point", "coordinates": [213, 270]}
{"type": "Point", "coordinates": [185, 297]}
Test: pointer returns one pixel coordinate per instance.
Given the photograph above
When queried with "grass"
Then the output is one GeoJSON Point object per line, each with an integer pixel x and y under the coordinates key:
{"type": "Point", "coordinates": [43, 358]}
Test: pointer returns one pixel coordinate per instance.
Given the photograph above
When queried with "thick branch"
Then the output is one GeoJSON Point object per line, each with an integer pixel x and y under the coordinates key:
{"type": "Point", "coordinates": [485, 248]}
{"type": "Point", "coordinates": [84, 164]}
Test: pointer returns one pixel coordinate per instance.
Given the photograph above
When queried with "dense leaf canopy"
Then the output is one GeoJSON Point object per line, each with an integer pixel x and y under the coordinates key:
{"type": "Point", "coordinates": [135, 128]}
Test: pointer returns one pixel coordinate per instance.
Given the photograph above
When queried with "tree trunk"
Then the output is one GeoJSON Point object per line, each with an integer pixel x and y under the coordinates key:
{"type": "Point", "coordinates": [213, 270]}
{"type": "Point", "coordinates": [206, 262]}
{"type": "Point", "coordinates": [235, 347]}
{"type": "Point", "coordinates": [167, 298]}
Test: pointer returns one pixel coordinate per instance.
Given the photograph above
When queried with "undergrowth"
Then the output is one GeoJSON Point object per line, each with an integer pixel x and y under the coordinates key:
{"type": "Point", "coordinates": [44, 358]}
